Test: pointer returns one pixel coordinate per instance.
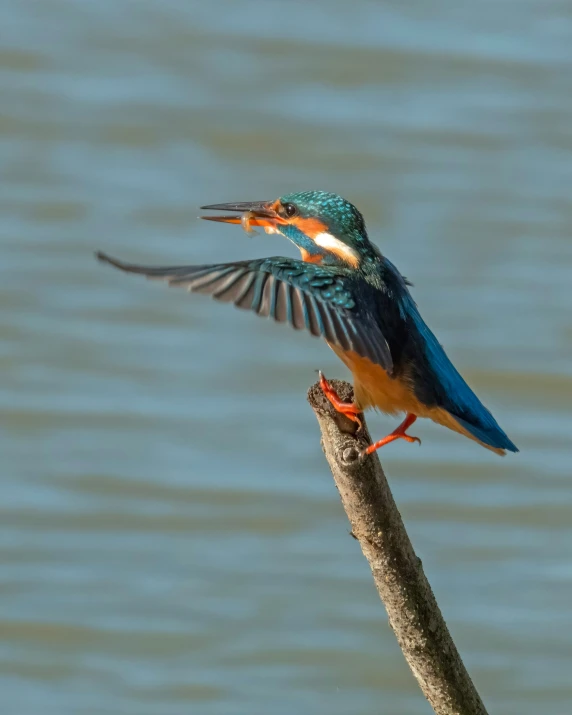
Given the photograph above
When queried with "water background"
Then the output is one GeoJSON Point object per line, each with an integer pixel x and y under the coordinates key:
{"type": "Point", "coordinates": [171, 540]}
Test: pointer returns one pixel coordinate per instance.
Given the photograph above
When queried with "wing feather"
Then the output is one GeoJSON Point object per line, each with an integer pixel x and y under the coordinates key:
{"type": "Point", "coordinates": [317, 298]}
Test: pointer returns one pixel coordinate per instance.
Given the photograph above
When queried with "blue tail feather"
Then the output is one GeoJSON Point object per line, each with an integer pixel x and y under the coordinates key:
{"type": "Point", "coordinates": [452, 393]}
{"type": "Point", "coordinates": [494, 437]}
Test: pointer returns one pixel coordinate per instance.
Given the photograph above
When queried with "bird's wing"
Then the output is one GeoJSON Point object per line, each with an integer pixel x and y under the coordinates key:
{"type": "Point", "coordinates": [317, 298]}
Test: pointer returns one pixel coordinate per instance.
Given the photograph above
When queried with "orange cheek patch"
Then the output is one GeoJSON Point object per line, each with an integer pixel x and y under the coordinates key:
{"type": "Point", "coordinates": [317, 231]}
{"type": "Point", "coordinates": [310, 226]}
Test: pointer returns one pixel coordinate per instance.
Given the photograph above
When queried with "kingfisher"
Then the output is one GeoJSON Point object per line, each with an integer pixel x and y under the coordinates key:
{"type": "Point", "coordinates": [347, 292]}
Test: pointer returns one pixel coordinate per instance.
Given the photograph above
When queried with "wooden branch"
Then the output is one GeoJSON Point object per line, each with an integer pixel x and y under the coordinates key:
{"type": "Point", "coordinates": [376, 523]}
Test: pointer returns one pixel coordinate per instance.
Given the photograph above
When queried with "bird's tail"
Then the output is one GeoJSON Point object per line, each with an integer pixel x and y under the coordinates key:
{"type": "Point", "coordinates": [455, 397]}
{"type": "Point", "coordinates": [487, 431]}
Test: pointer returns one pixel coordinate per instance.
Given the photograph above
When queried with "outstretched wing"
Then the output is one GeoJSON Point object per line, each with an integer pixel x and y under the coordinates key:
{"type": "Point", "coordinates": [317, 298]}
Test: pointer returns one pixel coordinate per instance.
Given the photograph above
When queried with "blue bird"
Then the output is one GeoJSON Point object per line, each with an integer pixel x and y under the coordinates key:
{"type": "Point", "coordinates": [345, 291]}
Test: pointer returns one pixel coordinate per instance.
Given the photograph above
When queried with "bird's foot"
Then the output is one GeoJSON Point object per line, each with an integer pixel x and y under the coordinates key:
{"type": "Point", "coordinates": [349, 409]}
{"type": "Point", "coordinates": [398, 433]}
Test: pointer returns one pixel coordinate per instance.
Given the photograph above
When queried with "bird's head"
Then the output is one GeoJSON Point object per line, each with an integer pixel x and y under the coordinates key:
{"type": "Point", "coordinates": [325, 227]}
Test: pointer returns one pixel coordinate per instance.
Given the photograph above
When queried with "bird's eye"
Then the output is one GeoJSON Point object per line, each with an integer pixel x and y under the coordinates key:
{"type": "Point", "coordinates": [290, 210]}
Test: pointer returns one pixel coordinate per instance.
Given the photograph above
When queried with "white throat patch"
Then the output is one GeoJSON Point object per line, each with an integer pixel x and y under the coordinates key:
{"type": "Point", "coordinates": [341, 249]}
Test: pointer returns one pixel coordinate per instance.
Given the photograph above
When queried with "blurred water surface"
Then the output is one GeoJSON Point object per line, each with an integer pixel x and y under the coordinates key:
{"type": "Point", "coordinates": [171, 541]}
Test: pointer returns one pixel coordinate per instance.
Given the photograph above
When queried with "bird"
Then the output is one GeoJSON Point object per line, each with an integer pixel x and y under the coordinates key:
{"type": "Point", "coordinates": [346, 291]}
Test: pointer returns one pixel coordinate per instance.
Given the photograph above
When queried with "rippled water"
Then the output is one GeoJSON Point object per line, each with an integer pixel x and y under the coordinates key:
{"type": "Point", "coordinates": [171, 540]}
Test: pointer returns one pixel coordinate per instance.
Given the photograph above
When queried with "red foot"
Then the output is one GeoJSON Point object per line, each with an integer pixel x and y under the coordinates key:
{"type": "Point", "coordinates": [398, 433]}
{"type": "Point", "coordinates": [348, 409]}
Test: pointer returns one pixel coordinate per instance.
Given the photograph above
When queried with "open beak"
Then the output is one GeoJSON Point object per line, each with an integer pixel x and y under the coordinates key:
{"type": "Point", "coordinates": [250, 213]}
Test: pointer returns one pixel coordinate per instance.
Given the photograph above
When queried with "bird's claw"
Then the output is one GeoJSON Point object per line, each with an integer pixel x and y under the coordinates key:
{"type": "Point", "coordinates": [363, 453]}
{"type": "Point", "coordinates": [348, 409]}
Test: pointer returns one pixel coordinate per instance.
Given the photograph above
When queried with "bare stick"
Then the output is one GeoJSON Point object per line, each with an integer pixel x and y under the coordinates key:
{"type": "Point", "coordinates": [376, 523]}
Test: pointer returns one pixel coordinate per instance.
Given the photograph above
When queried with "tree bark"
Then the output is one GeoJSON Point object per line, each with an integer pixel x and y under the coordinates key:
{"type": "Point", "coordinates": [376, 523]}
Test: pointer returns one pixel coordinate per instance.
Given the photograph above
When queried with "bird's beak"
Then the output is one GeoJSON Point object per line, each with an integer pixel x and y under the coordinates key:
{"type": "Point", "coordinates": [250, 213]}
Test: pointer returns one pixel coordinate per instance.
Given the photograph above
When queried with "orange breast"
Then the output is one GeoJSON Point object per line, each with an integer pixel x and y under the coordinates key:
{"type": "Point", "coordinates": [374, 388]}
